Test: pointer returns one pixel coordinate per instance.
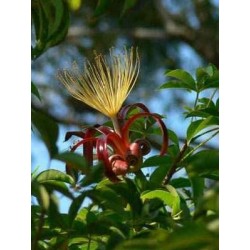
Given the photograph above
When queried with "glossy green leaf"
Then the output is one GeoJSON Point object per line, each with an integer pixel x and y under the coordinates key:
{"type": "Point", "coordinates": [197, 126]}
{"type": "Point", "coordinates": [58, 186]}
{"type": "Point", "coordinates": [48, 130]}
{"type": "Point", "coordinates": [183, 77]}
{"type": "Point", "coordinates": [54, 175]}
{"type": "Point", "coordinates": [174, 85]}
{"type": "Point", "coordinates": [74, 160]}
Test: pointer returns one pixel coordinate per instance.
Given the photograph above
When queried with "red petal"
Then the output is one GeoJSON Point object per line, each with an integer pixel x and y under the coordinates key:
{"type": "Point", "coordinates": [126, 109]}
{"type": "Point", "coordinates": [125, 129]}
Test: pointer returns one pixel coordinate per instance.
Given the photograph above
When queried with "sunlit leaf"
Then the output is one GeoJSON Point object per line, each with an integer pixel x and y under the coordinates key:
{"type": "Point", "coordinates": [54, 175]}
{"type": "Point", "coordinates": [185, 80]}
{"type": "Point", "coordinates": [174, 85]}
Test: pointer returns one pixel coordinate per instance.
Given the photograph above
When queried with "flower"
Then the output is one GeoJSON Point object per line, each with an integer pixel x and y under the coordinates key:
{"type": "Point", "coordinates": [117, 151]}
{"type": "Point", "coordinates": [103, 85]}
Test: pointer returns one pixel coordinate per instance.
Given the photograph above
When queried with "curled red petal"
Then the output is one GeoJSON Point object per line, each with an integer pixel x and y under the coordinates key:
{"type": "Point", "coordinates": [125, 129]}
{"type": "Point", "coordinates": [126, 109]}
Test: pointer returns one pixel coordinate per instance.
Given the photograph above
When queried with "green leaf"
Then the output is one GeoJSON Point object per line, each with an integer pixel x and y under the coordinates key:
{"type": "Point", "coordinates": [130, 194]}
{"type": "Point", "coordinates": [54, 175]}
{"type": "Point", "coordinates": [204, 164]}
{"type": "Point", "coordinates": [48, 130]}
{"type": "Point", "coordinates": [174, 85]}
{"type": "Point", "coordinates": [207, 77]}
{"type": "Point", "coordinates": [185, 80]}
{"type": "Point", "coordinates": [75, 206]}
{"type": "Point", "coordinates": [58, 186]}
{"type": "Point", "coordinates": [94, 175]}
{"type": "Point", "coordinates": [198, 185]}
{"type": "Point", "coordinates": [58, 16]}
{"type": "Point", "coordinates": [170, 199]}
{"type": "Point", "coordinates": [51, 21]}
{"type": "Point", "coordinates": [107, 199]}
{"type": "Point", "coordinates": [156, 161]}
{"type": "Point", "coordinates": [203, 113]}
{"type": "Point", "coordinates": [173, 137]}
{"type": "Point", "coordinates": [191, 236]}
{"type": "Point", "coordinates": [43, 197]}
{"type": "Point", "coordinates": [197, 126]}
{"type": "Point", "coordinates": [35, 91]}
{"type": "Point", "coordinates": [74, 160]}
{"type": "Point", "coordinates": [180, 182]}
{"type": "Point", "coordinates": [160, 173]}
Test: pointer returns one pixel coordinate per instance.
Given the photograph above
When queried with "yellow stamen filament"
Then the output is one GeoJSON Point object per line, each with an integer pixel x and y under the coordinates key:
{"type": "Point", "coordinates": [103, 86]}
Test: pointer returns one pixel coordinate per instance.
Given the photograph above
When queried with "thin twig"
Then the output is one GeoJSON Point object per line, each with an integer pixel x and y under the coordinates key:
{"type": "Point", "coordinates": [175, 164]}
